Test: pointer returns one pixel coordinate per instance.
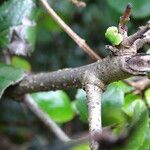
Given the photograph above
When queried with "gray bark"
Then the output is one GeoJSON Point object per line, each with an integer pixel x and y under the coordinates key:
{"type": "Point", "coordinates": [107, 70]}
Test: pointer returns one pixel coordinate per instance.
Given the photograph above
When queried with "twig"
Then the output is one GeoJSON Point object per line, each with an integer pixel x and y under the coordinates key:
{"type": "Point", "coordinates": [94, 108]}
{"type": "Point", "coordinates": [107, 140]}
{"type": "Point", "coordinates": [81, 42]}
{"type": "Point", "coordinates": [139, 34]}
{"type": "Point", "coordinates": [139, 85]}
{"type": "Point", "coordinates": [124, 19]}
{"type": "Point", "coordinates": [78, 3]}
{"type": "Point", "coordinates": [45, 118]}
{"type": "Point", "coordinates": [126, 16]}
{"type": "Point", "coordinates": [130, 45]}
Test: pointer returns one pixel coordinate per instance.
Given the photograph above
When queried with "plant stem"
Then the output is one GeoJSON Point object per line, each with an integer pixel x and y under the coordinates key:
{"type": "Point", "coordinates": [79, 41]}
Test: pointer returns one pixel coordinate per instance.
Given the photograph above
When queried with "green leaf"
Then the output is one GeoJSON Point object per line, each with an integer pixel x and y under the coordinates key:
{"type": "Point", "coordinates": [140, 119]}
{"type": "Point", "coordinates": [56, 104]}
{"type": "Point", "coordinates": [81, 105]}
{"type": "Point", "coordinates": [146, 144]}
{"type": "Point", "coordinates": [129, 98]}
{"type": "Point", "coordinates": [140, 8]}
{"type": "Point", "coordinates": [147, 96]}
{"type": "Point", "coordinates": [4, 38]}
{"type": "Point", "coordinates": [130, 109]}
{"type": "Point", "coordinates": [12, 12]}
{"type": "Point", "coordinates": [124, 87]}
{"type": "Point", "coordinates": [46, 22]}
{"type": "Point", "coordinates": [19, 62]}
{"type": "Point", "coordinates": [84, 146]}
{"type": "Point", "coordinates": [112, 101]}
{"type": "Point", "coordinates": [114, 95]}
{"type": "Point", "coordinates": [9, 76]}
{"type": "Point", "coordinates": [17, 25]}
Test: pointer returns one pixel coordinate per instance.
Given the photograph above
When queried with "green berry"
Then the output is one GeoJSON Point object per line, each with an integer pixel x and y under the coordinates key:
{"type": "Point", "coordinates": [113, 35]}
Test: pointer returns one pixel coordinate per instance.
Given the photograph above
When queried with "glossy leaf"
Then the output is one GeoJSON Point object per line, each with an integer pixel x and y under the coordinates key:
{"type": "Point", "coordinates": [112, 101]}
{"type": "Point", "coordinates": [17, 30]}
{"type": "Point", "coordinates": [140, 8]}
{"type": "Point", "coordinates": [114, 95]}
{"type": "Point", "coordinates": [140, 119]}
{"type": "Point", "coordinates": [9, 76]}
{"type": "Point", "coordinates": [129, 98]}
{"type": "Point", "coordinates": [56, 104]}
{"type": "Point", "coordinates": [81, 105]}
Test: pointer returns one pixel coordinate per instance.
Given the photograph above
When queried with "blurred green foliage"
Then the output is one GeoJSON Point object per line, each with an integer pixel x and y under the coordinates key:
{"type": "Point", "coordinates": [54, 50]}
{"type": "Point", "coordinates": [22, 63]}
{"type": "Point", "coordinates": [56, 104]}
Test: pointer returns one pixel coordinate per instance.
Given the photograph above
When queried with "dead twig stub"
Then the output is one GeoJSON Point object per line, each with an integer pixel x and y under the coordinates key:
{"type": "Point", "coordinates": [124, 19]}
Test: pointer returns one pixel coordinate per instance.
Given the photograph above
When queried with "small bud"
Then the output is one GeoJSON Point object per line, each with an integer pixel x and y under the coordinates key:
{"type": "Point", "coordinates": [113, 35]}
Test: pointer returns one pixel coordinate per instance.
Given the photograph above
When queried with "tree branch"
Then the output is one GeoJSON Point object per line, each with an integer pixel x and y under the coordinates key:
{"type": "Point", "coordinates": [45, 118]}
{"type": "Point", "coordinates": [107, 70]}
{"type": "Point", "coordinates": [139, 34]}
{"type": "Point", "coordinates": [94, 107]}
{"type": "Point", "coordinates": [79, 41]}
{"type": "Point", "coordinates": [130, 45]}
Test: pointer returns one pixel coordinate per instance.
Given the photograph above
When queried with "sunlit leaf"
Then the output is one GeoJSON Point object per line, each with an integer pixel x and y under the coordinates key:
{"type": "Point", "coordinates": [56, 104]}
{"type": "Point", "coordinates": [129, 98]}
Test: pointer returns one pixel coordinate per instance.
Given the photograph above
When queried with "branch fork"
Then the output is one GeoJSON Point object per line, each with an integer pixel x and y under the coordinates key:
{"type": "Point", "coordinates": [124, 63]}
{"type": "Point", "coordinates": [130, 44]}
